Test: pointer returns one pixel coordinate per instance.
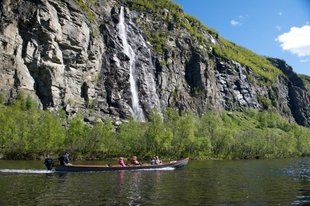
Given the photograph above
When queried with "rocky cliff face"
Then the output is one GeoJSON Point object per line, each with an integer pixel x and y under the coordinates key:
{"type": "Point", "coordinates": [102, 60]}
{"type": "Point", "coordinates": [298, 96]}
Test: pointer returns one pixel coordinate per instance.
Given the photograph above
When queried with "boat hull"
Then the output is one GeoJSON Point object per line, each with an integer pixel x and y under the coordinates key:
{"type": "Point", "coordinates": [101, 168]}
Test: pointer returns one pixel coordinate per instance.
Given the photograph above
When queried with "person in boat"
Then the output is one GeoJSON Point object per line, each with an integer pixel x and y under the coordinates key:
{"type": "Point", "coordinates": [121, 162]}
{"type": "Point", "coordinates": [157, 160]}
{"type": "Point", "coordinates": [153, 161]}
{"type": "Point", "coordinates": [134, 161]}
{"type": "Point", "coordinates": [49, 163]}
{"type": "Point", "coordinates": [64, 159]}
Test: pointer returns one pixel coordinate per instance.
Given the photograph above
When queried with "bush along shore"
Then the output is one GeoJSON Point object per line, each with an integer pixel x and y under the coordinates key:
{"type": "Point", "coordinates": [27, 132]}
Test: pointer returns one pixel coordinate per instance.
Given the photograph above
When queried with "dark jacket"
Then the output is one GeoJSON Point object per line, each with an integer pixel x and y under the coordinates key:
{"type": "Point", "coordinates": [49, 163]}
{"type": "Point", "coordinates": [63, 160]}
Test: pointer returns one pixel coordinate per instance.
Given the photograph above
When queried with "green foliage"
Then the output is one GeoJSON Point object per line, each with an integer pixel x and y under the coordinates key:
{"type": "Point", "coordinates": [90, 104]}
{"type": "Point", "coordinates": [95, 32]}
{"type": "Point", "coordinates": [71, 102]}
{"type": "Point", "coordinates": [303, 141]}
{"type": "Point", "coordinates": [156, 6]}
{"type": "Point", "coordinates": [176, 16]}
{"type": "Point", "coordinates": [265, 101]}
{"type": "Point", "coordinates": [77, 135]}
{"type": "Point", "coordinates": [131, 139]}
{"type": "Point", "coordinates": [259, 64]}
{"type": "Point", "coordinates": [183, 135]}
{"type": "Point", "coordinates": [24, 103]}
{"type": "Point", "coordinates": [27, 132]}
{"type": "Point", "coordinates": [84, 5]}
{"type": "Point", "coordinates": [195, 27]}
{"type": "Point", "coordinates": [223, 48]}
{"type": "Point", "coordinates": [157, 137]}
{"type": "Point", "coordinates": [50, 133]}
{"type": "Point", "coordinates": [306, 81]}
{"type": "Point", "coordinates": [158, 39]}
{"type": "Point", "coordinates": [101, 140]}
{"type": "Point", "coordinates": [2, 98]}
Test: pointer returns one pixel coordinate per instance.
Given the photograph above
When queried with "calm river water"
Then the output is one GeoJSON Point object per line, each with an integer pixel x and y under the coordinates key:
{"type": "Point", "coordinates": [244, 182]}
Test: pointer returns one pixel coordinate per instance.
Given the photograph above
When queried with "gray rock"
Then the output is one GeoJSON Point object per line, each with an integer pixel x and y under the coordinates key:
{"type": "Point", "coordinates": [55, 53]}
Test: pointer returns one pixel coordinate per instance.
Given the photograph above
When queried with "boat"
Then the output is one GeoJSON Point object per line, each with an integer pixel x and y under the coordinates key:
{"type": "Point", "coordinates": [101, 168]}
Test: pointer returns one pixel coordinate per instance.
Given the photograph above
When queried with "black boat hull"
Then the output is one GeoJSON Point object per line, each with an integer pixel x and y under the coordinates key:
{"type": "Point", "coordinates": [101, 168]}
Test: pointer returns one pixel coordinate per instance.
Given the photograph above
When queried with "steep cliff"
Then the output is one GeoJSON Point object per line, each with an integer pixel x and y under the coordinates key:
{"type": "Point", "coordinates": [124, 58]}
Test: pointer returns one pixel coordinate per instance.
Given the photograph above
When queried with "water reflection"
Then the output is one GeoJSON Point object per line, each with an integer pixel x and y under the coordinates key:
{"type": "Point", "coordinates": [255, 182]}
{"type": "Point", "coordinates": [121, 177]}
{"type": "Point", "coordinates": [134, 188]}
{"type": "Point", "coordinates": [137, 187]}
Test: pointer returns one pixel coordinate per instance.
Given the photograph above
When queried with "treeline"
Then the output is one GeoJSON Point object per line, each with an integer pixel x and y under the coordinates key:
{"type": "Point", "coordinates": [27, 132]}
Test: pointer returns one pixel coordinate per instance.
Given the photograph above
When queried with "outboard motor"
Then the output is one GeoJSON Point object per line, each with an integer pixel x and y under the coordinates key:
{"type": "Point", "coordinates": [49, 163]}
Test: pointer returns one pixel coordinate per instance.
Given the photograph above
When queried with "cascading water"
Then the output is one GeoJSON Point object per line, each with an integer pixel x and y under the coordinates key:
{"type": "Point", "coordinates": [153, 98]}
{"type": "Point", "coordinates": [137, 112]}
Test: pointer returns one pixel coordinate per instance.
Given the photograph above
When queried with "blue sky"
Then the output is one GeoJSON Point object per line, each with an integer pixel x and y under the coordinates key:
{"type": "Point", "coordinates": [275, 28]}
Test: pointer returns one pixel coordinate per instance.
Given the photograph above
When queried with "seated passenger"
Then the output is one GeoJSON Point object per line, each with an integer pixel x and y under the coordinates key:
{"type": "Point", "coordinates": [64, 159]}
{"type": "Point", "coordinates": [153, 161]}
{"type": "Point", "coordinates": [157, 160]}
{"type": "Point", "coordinates": [134, 161]}
{"type": "Point", "coordinates": [121, 162]}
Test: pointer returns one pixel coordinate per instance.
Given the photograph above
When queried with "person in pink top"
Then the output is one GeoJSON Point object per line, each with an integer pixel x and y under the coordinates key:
{"type": "Point", "coordinates": [121, 162]}
{"type": "Point", "coordinates": [158, 161]}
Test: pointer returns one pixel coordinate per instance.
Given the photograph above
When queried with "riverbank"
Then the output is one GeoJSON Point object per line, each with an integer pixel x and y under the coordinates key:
{"type": "Point", "coordinates": [128, 157]}
{"type": "Point", "coordinates": [29, 133]}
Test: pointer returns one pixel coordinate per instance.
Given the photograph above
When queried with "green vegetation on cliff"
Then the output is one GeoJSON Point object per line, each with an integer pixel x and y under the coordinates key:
{"type": "Point", "coordinates": [259, 64]}
{"type": "Point", "coordinates": [306, 81]}
{"type": "Point", "coordinates": [223, 48]}
{"type": "Point", "coordinates": [157, 6]}
{"type": "Point", "coordinates": [85, 6]}
{"type": "Point", "coordinates": [27, 132]}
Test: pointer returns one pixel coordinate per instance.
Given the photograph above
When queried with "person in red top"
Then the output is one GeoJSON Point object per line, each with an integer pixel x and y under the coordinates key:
{"type": "Point", "coordinates": [121, 162]}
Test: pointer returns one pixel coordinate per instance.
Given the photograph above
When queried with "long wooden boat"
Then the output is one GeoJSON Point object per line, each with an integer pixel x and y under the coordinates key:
{"type": "Point", "coordinates": [101, 168]}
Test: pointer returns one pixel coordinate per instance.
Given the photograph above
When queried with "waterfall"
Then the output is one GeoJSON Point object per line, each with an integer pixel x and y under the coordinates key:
{"type": "Point", "coordinates": [151, 85]}
{"type": "Point", "coordinates": [136, 110]}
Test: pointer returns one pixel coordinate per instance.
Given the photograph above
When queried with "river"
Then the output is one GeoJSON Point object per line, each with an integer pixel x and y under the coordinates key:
{"type": "Point", "coordinates": [211, 182]}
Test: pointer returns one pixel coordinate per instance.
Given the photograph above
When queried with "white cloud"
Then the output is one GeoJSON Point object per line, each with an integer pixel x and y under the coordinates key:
{"type": "Point", "coordinates": [235, 22]}
{"type": "Point", "coordinates": [304, 60]}
{"type": "Point", "coordinates": [280, 13]}
{"type": "Point", "coordinates": [238, 20]}
{"type": "Point", "coordinates": [278, 28]}
{"type": "Point", "coordinates": [297, 40]}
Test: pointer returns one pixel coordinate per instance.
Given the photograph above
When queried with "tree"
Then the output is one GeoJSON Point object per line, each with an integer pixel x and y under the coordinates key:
{"type": "Point", "coordinates": [102, 139]}
{"type": "Point", "coordinates": [184, 135]}
{"type": "Point", "coordinates": [76, 136]}
{"type": "Point", "coordinates": [158, 138]}
{"type": "Point", "coordinates": [131, 139]}
{"type": "Point", "coordinates": [51, 133]}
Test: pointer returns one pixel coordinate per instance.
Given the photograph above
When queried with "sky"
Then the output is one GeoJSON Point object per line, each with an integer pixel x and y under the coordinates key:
{"type": "Point", "coordinates": [273, 28]}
